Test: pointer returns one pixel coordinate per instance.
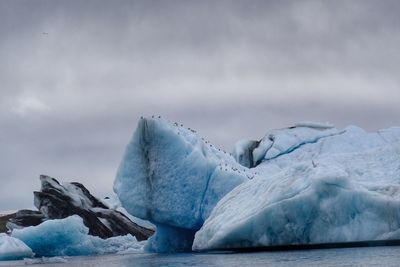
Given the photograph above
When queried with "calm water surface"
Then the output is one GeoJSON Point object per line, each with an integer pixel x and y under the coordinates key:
{"type": "Point", "coordinates": [373, 256]}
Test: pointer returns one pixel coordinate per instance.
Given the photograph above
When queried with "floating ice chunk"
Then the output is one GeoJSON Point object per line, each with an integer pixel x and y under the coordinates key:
{"type": "Point", "coordinates": [13, 249]}
{"type": "Point", "coordinates": [69, 237]}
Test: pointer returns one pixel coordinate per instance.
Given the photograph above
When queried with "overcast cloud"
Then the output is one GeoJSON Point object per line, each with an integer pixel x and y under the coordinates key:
{"type": "Point", "coordinates": [75, 76]}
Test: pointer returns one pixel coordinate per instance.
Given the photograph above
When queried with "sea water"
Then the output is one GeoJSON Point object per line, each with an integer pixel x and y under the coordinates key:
{"type": "Point", "coordinates": [370, 256]}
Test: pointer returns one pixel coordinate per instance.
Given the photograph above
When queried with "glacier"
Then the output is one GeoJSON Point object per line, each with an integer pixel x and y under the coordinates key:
{"type": "Point", "coordinates": [70, 237]}
{"type": "Point", "coordinates": [307, 184]}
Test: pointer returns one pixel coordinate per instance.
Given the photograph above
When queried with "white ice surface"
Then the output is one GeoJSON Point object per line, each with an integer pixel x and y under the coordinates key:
{"type": "Point", "coordinates": [13, 249]}
{"type": "Point", "coordinates": [343, 187]}
{"type": "Point", "coordinates": [69, 237]}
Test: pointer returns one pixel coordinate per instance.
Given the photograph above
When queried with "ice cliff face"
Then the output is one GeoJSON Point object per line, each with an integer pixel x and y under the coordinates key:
{"type": "Point", "coordinates": [173, 178]}
{"type": "Point", "coordinates": [310, 183]}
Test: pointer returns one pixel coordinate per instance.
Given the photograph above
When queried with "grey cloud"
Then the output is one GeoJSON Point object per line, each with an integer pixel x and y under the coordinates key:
{"type": "Point", "coordinates": [70, 99]}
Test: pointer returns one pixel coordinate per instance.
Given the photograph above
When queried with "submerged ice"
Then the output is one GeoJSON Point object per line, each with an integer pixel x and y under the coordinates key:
{"type": "Point", "coordinates": [310, 183]}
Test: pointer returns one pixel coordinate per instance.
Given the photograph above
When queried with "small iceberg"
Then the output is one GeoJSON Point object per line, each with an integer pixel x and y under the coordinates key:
{"type": "Point", "coordinates": [70, 237]}
{"type": "Point", "coordinates": [13, 249]}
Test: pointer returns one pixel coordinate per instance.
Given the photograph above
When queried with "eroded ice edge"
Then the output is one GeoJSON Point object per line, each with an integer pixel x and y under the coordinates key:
{"type": "Point", "coordinates": [310, 183]}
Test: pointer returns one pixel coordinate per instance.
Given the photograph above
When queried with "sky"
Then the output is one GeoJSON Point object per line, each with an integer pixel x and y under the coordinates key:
{"type": "Point", "coordinates": [75, 77]}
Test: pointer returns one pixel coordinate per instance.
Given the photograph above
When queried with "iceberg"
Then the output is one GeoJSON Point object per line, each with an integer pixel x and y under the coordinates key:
{"type": "Point", "coordinates": [307, 184]}
{"type": "Point", "coordinates": [13, 249]}
{"type": "Point", "coordinates": [173, 178]}
{"type": "Point", "coordinates": [70, 237]}
{"type": "Point", "coordinates": [342, 187]}
{"type": "Point", "coordinates": [58, 201]}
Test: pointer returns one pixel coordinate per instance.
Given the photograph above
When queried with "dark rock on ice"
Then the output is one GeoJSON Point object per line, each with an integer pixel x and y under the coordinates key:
{"type": "Point", "coordinates": [25, 218]}
{"type": "Point", "coordinates": [58, 201]}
